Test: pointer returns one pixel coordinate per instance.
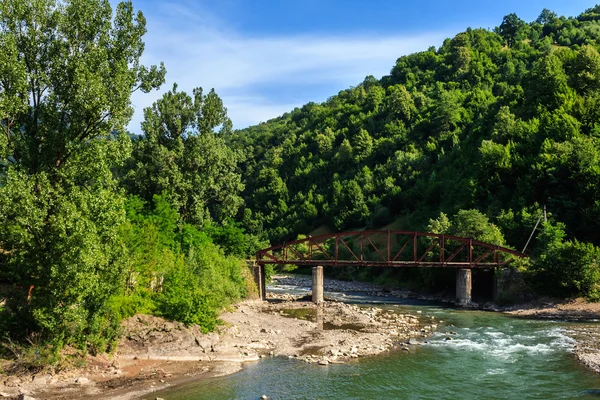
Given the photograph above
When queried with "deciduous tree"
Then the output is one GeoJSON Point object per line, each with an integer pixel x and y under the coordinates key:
{"type": "Point", "coordinates": [67, 71]}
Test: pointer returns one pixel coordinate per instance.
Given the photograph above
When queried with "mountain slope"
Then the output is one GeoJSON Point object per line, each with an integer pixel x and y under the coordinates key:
{"type": "Point", "coordinates": [502, 122]}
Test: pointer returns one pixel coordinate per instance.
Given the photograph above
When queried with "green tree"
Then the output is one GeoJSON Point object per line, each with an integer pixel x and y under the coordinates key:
{"type": "Point", "coordinates": [512, 29]}
{"type": "Point", "coordinates": [549, 84]}
{"type": "Point", "coordinates": [448, 112]}
{"type": "Point", "coordinates": [440, 224]}
{"type": "Point", "coordinates": [546, 17]}
{"type": "Point", "coordinates": [345, 152]}
{"type": "Point", "coordinates": [184, 154]}
{"type": "Point", "coordinates": [354, 210]}
{"type": "Point", "coordinates": [476, 225]}
{"type": "Point", "coordinates": [400, 103]}
{"type": "Point", "coordinates": [566, 268]}
{"type": "Point", "coordinates": [71, 70]}
{"type": "Point", "coordinates": [68, 70]}
{"type": "Point", "coordinates": [460, 53]}
{"type": "Point", "coordinates": [468, 224]}
{"type": "Point", "coordinates": [586, 70]}
{"type": "Point", "coordinates": [363, 146]}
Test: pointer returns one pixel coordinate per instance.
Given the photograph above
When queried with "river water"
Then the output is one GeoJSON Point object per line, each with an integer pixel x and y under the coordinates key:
{"type": "Point", "coordinates": [490, 356]}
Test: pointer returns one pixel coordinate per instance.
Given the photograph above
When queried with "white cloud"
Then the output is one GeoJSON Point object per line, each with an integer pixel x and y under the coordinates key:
{"type": "Point", "coordinates": [197, 53]}
{"type": "Point", "coordinates": [254, 109]}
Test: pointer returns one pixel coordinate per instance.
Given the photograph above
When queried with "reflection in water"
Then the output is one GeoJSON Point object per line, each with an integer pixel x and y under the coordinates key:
{"type": "Point", "coordinates": [319, 317]}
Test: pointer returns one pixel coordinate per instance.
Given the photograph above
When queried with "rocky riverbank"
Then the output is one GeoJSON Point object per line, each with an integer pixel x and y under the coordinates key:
{"type": "Point", "coordinates": [155, 354]}
{"type": "Point", "coordinates": [587, 349]}
{"type": "Point", "coordinates": [331, 332]}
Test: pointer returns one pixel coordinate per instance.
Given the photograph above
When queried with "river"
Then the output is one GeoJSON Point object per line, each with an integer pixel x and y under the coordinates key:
{"type": "Point", "coordinates": [490, 356]}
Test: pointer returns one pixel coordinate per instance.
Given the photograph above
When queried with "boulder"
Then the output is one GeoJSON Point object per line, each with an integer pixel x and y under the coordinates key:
{"type": "Point", "coordinates": [12, 381]}
{"type": "Point", "coordinates": [40, 379]}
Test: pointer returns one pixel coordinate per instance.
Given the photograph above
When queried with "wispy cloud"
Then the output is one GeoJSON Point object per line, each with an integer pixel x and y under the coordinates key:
{"type": "Point", "coordinates": [252, 73]}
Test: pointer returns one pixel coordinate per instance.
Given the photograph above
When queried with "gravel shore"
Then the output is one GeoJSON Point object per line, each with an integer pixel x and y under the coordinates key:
{"type": "Point", "coordinates": [155, 354]}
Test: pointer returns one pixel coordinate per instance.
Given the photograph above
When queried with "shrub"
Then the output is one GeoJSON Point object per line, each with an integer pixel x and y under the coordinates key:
{"type": "Point", "coordinates": [183, 299]}
{"type": "Point", "coordinates": [175, 270]}
{"type": "Point", "coordinates": [566, 268]}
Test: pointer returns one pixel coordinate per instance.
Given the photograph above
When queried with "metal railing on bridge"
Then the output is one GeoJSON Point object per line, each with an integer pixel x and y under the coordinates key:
{"type": "Point", "coordinates": [389, 248]}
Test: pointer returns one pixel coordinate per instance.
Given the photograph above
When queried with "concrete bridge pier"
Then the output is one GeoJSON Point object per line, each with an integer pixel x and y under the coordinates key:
{"type": "Point", "coordinates": [463, 286]}
{"type": "Point", "coordinates": [320, 318]}
{"type": "Point", "coordinates": [317, 284]}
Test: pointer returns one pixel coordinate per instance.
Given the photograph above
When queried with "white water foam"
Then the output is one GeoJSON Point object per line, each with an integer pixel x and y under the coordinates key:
{"type": "Point", "coordinates": [503, 345]}
{"type": "Point", "coordinates": [494, 334]}
{"type": "Point", "coordinates": [496, 371]}
{"type": "Point", "coordinates": [561, 338]}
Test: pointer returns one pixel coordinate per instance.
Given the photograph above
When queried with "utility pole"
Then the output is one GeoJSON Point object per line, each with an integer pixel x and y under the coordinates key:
{"type": "Point", "coordinates": [545, 215]}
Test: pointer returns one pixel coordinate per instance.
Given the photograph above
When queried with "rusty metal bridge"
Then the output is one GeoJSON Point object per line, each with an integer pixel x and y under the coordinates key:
{"type": "Point", "coordinates": [387, 248]}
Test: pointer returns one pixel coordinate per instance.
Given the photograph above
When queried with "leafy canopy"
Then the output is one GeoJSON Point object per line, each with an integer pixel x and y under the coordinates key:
{"type": "Point", "coordinates": [68, 70]}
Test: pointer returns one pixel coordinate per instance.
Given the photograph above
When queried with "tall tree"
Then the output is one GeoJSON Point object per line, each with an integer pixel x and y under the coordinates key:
{"type": "Point", "coordinates": [546, 17]}
{"type": "Point", "coordinates": [511, 29]}
{"type": "Point", "coordinates": [68, 70]}
{"type": "Point", "coordinates": [184, 154]}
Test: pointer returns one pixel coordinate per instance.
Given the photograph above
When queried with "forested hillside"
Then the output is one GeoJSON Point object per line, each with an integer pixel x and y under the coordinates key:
{"type": "Point", "coordinates": [501, 121]}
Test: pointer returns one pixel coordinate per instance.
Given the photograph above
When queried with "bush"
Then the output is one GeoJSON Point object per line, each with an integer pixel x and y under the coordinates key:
{"type": "Point", "coordinates": [34, 356]}
{"type": "Point", "coordinates": [125, 306]}
{"type": "Point", "coordinates": [566, 268]}
{"type": "Point", "coordinates": [183, 299]}
{"type": "Point", "coordinates": [234, 241]}
{"type": "Point", "coordinates": [176, 271]}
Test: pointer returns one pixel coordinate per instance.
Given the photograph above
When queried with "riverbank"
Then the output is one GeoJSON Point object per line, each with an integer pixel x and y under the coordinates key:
{"type": "Point", "coordinates": [587, 336]}
{"type": "Point", "coordinates": [155, 354]}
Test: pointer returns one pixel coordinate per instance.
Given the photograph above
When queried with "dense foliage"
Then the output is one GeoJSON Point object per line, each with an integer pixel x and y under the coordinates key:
{"type": "Point", "coordinates": [172, 270]}
{"type": "Point", "coordinates": [67, 73]}
{"type": "Point", "coordinates": [95, 227]}
{"type": "Point", "coordinates": [499, 121]}
{"type": "Point", "coordinates": [97, 224]}
{"type": "Point", "coordinates": [181, 153]}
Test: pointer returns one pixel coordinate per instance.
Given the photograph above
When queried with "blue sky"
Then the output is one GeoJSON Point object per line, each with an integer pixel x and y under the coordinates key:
{"type": "Point", "coordinates": [265, 57]}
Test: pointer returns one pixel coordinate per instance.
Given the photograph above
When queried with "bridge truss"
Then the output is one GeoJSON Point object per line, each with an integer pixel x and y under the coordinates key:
{"type": "Point", "coordinates": [388, 248]}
